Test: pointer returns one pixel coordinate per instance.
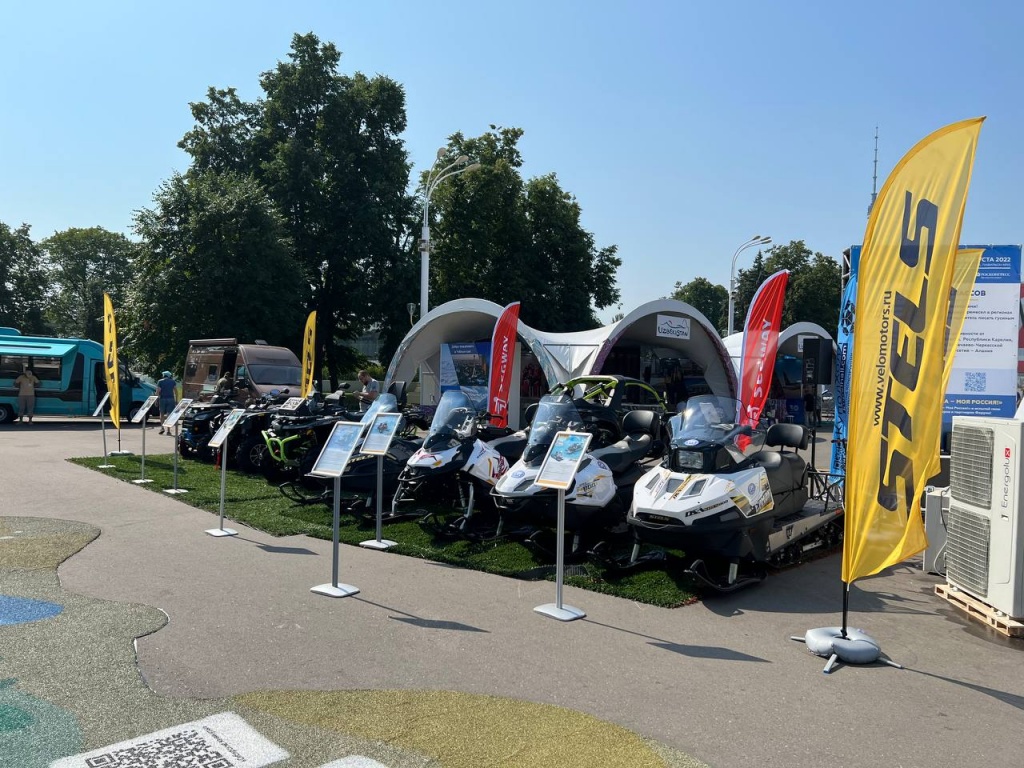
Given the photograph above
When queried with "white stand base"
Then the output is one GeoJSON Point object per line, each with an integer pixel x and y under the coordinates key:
{"type": "Point", "coordinates": [173, 491]}
{"type": "Point", "coordinates": [565, 613]}
{"type": "Point", "coordinates": [222, 532]}
{"type": "Point", "coordinates": [382, 544]}
{"type": "Point", "coordinates": [120, 453]}
{"type": "Point", "coordinates": [106, 466]}
{"type": "Point", "coordinates": [140, 481]}
{"type": "Point", "coordinates": [342, 590]}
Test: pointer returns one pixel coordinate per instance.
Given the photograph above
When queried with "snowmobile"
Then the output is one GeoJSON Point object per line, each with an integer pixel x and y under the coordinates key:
{"type": "Point", "coordinates": [359, 481]}
{"type": "Point", "coordinates": [461, 456]}
{"type": "Point", "coordinates": [729, 501]}
{"type": "Point", "coordinates": [599, 495]}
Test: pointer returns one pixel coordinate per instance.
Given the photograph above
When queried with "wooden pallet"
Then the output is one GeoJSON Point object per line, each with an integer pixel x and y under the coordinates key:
{"type": "Point", "coordinates": [979, 611]}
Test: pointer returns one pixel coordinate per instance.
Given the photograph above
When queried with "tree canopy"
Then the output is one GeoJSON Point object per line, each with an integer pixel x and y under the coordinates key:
{"type": "Point", "coordinates": [498, 237]}
{"type": "Point", "coordinates": [712, 300]}
{"type": "Point", "coordinates": [22, 281]}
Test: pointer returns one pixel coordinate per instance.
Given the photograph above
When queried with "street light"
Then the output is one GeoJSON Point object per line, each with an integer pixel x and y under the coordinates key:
{"type": "Point", "coordinates": [434, 177]}
{"type": "Point", "coordinates": [755, 240]}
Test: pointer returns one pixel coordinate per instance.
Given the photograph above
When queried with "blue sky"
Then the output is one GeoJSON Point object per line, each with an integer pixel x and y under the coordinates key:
{"type": "Point", "coordinates": [682, 128]}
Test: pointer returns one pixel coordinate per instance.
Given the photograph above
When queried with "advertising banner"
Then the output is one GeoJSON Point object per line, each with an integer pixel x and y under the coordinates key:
{"type": "Point", "coordinates": [308, 354]}
{"type": "Point", "coordinates": [904, 279]}
{"type": "Point", "coordinates": [760, 345]}
{"type": "Point", "coordinates": [983, 381]}
{"type": "Point", "coordinates": [503, 350]}
{"type": "Point", "coordinates": [110, 361]}
{"type": "Point", "coordinates": [841, 382]}
{"type": "Point", "coordinates": [465, 367]}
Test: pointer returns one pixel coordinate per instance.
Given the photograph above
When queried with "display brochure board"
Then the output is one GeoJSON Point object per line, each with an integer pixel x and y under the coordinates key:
{"type": "Point", "coordinates": [99, 408]}
{"type": "Point", "coordinates": [382, 430]}
{"type": "Point", "coordinates": [292, 404]}
{"type": "Point", "coordinates": [176, 414]}
{"type": "Point", "coordinates": [141, 415]}
{"type": "Point", "coordinates": [225, 428]}
{"type": "Point", "coordinates": [340, 445]}
{"type": "Point", "coordinates": [563, 459]}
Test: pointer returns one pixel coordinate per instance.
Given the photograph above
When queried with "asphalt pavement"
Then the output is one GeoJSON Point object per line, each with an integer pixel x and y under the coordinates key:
{"type": "Point", "coordinates": [720, 681]}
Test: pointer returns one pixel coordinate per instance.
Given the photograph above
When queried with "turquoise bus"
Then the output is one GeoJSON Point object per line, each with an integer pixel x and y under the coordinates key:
{"type": "Point", "coordinates": [71, 376]}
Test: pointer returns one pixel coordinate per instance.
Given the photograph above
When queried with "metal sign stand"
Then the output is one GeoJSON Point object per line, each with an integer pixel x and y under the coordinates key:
{"type": "Point", "coordinates": [558, 471]}
{"type": "Point", "coordinates": [220, 530]}
{"type": "Point", "coordinates": [558, 610]}
{"type": "Point", "coordinates": [142, 477]}
{"type": "Point", "coordinates": [175, 489]}
{"type": "Point", "coordinates": [379, 543]}
{"type": "Point", "coordinates": [334, 589]}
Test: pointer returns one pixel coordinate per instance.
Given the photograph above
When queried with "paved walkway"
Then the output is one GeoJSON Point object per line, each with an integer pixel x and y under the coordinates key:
{"type": "Point", "coordinates": [720, 681]}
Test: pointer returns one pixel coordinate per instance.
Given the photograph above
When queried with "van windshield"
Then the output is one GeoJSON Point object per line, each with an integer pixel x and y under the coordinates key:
{"type": "Point", "coordinates": [279, 375]}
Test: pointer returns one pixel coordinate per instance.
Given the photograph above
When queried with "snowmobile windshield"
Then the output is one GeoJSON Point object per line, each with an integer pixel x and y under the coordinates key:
{"type": "Point", "coordinates": [713, 419]}
{"type": "Point", "coordinates": [454, 419]}
{"type": "Point", "coordinates": [555, 413]}
{"type": "Point", "coordinates": [383, 404]}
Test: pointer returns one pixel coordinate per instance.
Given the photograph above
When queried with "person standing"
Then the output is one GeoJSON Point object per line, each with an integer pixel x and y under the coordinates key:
{"type": "Point", "coordinates": [165, 389]}
{"type": "Point", "coordinates": [26, 384]}
{"type": "Point", "coordinates": [369, 392]}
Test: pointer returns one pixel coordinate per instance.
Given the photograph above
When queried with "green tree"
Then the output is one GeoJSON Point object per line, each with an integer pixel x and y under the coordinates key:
{"type": "Point", "coordinates": [712, 300]}
{"type": "Point", "coordinates": [813, 292]}
{"type": "Point", "coordinates": [327, 149]}
{"type": "Point", "coordinates": [82, 264]}
{"type": "Point", "coordinates": [497, 237]}
{"type": "Point", "coordinates": [215, 261]}
{"type": "Point", "coordinates": [22, 281]}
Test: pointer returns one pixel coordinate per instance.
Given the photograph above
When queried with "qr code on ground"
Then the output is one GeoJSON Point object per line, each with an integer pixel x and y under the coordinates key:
{"type": "Point", "coordinates": [217, 741]}
{"type": "Point", "coordinates": [186, 749]}
{"type": "Point", "coordinates": [975, 382]}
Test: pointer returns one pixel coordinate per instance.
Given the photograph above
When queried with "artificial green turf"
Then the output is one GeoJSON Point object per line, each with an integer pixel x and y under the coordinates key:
{"type": "Point", "coordinates": [251, 500]}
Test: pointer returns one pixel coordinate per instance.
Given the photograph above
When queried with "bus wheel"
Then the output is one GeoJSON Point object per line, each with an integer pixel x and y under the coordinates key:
{"type": "Point", "coordinates": [6, 414]}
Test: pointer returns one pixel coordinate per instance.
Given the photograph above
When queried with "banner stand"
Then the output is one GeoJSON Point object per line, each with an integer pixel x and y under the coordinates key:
{"type": "Point", "coordinates": [379, 543]}
{"type": "Point", "coordinates": [220, 440]}
{"type": "Point", "coordinates": [334, 589]}
{"type": "Point", "coordinates": [172, 421]}
{"type": "Point", "coordinates": [175, 489]}
{"type": "Point", "coordinates": [558, 610]}
{"type": "Point", "coordinates": [103, 430]}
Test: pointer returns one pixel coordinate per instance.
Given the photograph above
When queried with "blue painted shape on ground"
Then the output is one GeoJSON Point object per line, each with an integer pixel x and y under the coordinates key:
{"type": "Point", "coordinates": [34, 732]}
{"type": "Point", "coordinates": [20, 610]}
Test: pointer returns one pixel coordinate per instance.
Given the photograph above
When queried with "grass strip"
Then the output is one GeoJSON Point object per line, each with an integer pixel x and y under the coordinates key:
{"type": "Point", "coordinates": [251, 500]}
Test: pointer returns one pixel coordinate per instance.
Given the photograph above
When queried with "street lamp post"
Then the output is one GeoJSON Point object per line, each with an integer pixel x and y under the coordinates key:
{"type": "Point", "coordinates": [434, 177]}
{"type": "Point", "coordinates": [755, 240]}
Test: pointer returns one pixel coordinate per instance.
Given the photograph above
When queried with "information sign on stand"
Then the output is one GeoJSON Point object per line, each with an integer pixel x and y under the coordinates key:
{"type": "Point", "coordinates": [558, 470]}
{"type": "Point", "coordinates": [103, 430]}
{"type": "Point", "coordinates": [172, 421]}
{"type": "Point", "coordinates": [141, 417]}
{"type": "Point", "coordinates": [376, 443]}
{"type": "Point", "coordinates": [220, 440]}
{"type": "Point", "coordinates": [331, 462]}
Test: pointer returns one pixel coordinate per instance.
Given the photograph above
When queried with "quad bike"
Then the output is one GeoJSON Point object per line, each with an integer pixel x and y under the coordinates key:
{"type": "Point", "coordinates": [461, 458]}
{"type": "Point", "coordinates": [599, 496]}
{"type": "Point", "coordinates": [734, 505]}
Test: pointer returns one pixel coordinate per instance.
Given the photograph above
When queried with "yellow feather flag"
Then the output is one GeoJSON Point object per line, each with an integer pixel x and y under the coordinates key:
{"type": "Point", "coordinates": [110, 360]}
{"type": "Point", "coordinates": [896, 383]}
{"type": "Point", "coordinates": [308, 354]}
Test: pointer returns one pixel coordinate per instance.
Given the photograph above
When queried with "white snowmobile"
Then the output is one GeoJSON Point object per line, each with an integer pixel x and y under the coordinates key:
{"type": "Point", "coordinates": [731, 503]}
{"type": "Point", "coordinates": [461, 456]}
{"type": "Point", "coordinates": [599, 495]}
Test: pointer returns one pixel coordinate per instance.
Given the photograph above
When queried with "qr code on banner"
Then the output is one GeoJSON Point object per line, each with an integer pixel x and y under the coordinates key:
{"type": "Point", "coordinates": [186, 749]}
{"type": "Point", "coordinates": [975, 381]}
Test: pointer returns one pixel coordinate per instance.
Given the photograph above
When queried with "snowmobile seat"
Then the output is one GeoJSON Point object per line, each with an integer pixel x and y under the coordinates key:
{"type": "Point", "coordinates": [398, 389]}
{"type": "Point", "coordinates": [786, 470]}
{"type": "Point", "coordinates": [640, 428]}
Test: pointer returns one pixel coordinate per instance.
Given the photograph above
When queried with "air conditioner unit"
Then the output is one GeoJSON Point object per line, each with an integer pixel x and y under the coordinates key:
{"type": "Point", "coordinates": [985, 536]}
